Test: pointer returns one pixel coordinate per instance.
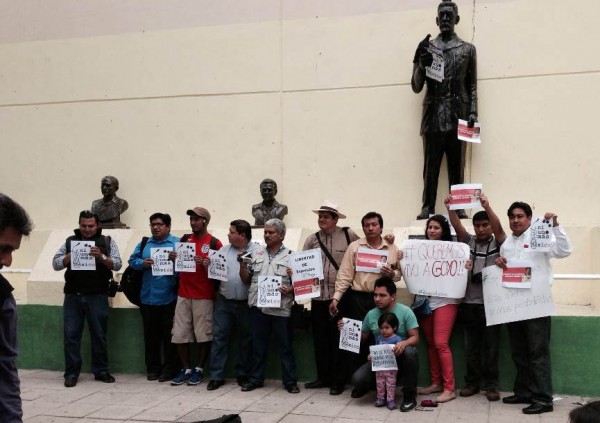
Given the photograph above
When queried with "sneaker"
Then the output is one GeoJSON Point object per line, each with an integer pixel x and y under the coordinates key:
{"type": "Point", "coordinates": [379, 402]}
{"type": "Point", "coordinates": [196, 377]}
{"type": "Point", "coordinates": [181, 378]}
{"type": "Point", "coordinates": [391, 405]}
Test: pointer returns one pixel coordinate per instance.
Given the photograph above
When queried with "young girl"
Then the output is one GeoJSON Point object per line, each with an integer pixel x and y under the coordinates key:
{"type": "Point", "coordinates": [388, 325]}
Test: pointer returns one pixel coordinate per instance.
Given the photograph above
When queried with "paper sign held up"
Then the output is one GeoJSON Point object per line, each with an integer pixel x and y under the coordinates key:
{"type": "Point", "coordinates": [465, 196]}
{"type": "Point", "coordinates": [350, 335]}
{"type": "Point", "coordinates": [382, 357]}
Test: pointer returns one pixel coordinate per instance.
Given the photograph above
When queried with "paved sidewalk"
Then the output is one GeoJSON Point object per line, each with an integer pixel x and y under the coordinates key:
{"type": "Point", "coordinates": [134, 399]}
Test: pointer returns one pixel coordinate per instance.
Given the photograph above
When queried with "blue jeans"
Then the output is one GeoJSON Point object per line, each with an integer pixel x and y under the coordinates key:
{"type": "Point", "coordinates": [262, 326]}
{"type": "Point", "coordinates": [530, 343]}
{"type": "Point", "coordinates": [94, 309]}
{"type": "Point", "coordinates": [230, 315]}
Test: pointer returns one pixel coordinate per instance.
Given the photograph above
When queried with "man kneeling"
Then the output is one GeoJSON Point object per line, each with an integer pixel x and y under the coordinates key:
{"type": "Point", "coordinates": [406, 352]}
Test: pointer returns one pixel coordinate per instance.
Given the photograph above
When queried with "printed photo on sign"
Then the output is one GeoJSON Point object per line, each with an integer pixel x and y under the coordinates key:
{"type": "Point", "coordinates": [370, 260]}
{"type": "Point", "coordinates": [382, 357]}
{"type": "Point", "coordinates": [186, 252]}
{"type": "Point", "coordinates": [435, 268]}
{"type": "Point", "coordinates": [81, 259]}
{"type": "Point", "coordinates": [350, 335]}
{"type": "Point", "coordinates": [436, 70]}
{"type": "Point", "coordinates": [504, 305]}
{"type": "Point", "coordinates": [469, 134]}
{"type": "Point", "coordinates": [465, 196]}
{"type": "Point", "coordinates": [269, 294]}
{"type": "Point", "coordinates": [308, 288]}
{"type": "Point", "coordinates": [306, 265]}
{"type": "Point", "coordinates": [162, 265]}
{"type": "Point", "coordinates": [217, 269]}
{"type": "Point", "coordinates": [517, 275]}
{"type": "Point", "coordinates": [541, 235]}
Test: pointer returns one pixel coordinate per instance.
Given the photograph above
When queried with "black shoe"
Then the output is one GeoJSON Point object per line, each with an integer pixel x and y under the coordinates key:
{"type": "Point", "coordinates": [336, 390]}
{"type": "Point", "coordinates": [461, 214]}
{"type": "Point", "coordinates": [358, 393]}
{"type": "Point", "coordinates": [214, 384]}
{"type": "Point", "coordinates": [425, 212]}
{"type": "Point", "coordinates": [515, 399]}
{"type": "Point", "coordinates": [408, 404]}
{"type": "Point", "coordinates": [104, 377]}
{"type": "Point", "coordinates": [316, 384]}
{"type": "Point", "coordinates": [293, 389]}
{"type": "Point", "coordinates": [251, 386]}
{"type": "Point", "coordinates": [537, 408]}
{"type": "Point", "coordinates": [242, 380]}
{"type": "Point", "coordinates": [70, 382]}
{"type": "Point", "coordinates": [152, 376]}
{"type": "Point", "coordinates": [165, 378]}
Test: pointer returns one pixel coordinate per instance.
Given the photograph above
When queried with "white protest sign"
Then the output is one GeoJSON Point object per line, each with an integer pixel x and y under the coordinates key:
{"type": "Point", "coordinates": [382, 357]}
{"type": "Point", "coordinates": [435, 268]}
{"type": "Point", "coordinates": [186, 252]}
{"type": "Point", "coordinates": [162, 265]}
{"type": "Point", "coordinates": [469, 134]}
{"type": "Point", "coordinates": [465, 196]}
{"type": "Point", "coordinates": [503, 305]}
{"type": "Point", "coordinates": [217, 269]}
{"type": "Point", "coordinates": [269, 294]}
{"type": "Point", "coordinates": [306, 265]}
{"type": "Point", "coordinates": [81, 259]}
{"type": "Point", "coordinates": [517, 274]}
{"type": "Point", "coordinates": [306, 289]}
{"type": "Point", "coordinates": [541, 235]}
{"type": "Point", "coordinates": [350, 335]}
{"type": "Point", "coordinates": [436, 70]}
{"type": "Point", "coordinates": [370, 260]}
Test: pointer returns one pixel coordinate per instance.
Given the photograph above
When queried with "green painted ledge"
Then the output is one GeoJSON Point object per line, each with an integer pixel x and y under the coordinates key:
{"type": "Point", "coordinates": [575, 346]}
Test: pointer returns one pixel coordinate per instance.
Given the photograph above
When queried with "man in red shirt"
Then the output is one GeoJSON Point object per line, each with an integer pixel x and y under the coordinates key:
{"type": "Point", "coordinates": [195, 299]}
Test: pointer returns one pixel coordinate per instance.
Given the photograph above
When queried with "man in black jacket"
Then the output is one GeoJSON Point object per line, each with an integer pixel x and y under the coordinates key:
{"type": "Point", "coordinates": [90, 258]}
{"type": "Point", "coordinates": [14, 223]}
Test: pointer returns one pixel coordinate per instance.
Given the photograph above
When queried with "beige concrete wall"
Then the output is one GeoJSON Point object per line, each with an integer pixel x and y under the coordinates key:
{"type": "Point", "coordinates": [195, 102]}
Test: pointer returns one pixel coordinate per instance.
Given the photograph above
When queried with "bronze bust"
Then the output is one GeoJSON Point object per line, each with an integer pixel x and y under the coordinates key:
{"type": "Point", "coordinates": [269, 208]}
{"type": "Point", "coordinates": [446, 101]}
{"type": "Point", "coordinates": [110, 207]}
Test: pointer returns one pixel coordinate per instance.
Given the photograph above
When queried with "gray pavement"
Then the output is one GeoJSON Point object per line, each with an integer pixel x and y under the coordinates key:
{"type": "Point", "coordinates": [134, 399]}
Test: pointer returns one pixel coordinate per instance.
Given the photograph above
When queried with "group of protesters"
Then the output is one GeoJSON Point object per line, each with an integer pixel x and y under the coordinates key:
{"type": "Point", "coordinates": [189, 307]}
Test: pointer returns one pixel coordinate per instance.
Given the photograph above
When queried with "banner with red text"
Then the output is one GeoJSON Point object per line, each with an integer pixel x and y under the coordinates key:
{"type": "Point", "coordinates": [465, 196]}
{"type": "Point", "coordinates": [435, 268]}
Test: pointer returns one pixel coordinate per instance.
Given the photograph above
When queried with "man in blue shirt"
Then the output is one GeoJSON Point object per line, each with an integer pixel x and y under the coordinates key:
{"type": "Point", "coordinates": [158, 297]}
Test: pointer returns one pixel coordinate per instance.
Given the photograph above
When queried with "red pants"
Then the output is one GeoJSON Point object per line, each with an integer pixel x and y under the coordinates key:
{"type": "Point", "coordinates": [437, 328]}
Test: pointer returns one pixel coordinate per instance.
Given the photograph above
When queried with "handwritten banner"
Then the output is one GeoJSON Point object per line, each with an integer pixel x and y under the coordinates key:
{"type": "Point", "coordinates": [269, 294]}
{"type": "Point", "coordinates": [465, 196]}
{"type": "Point", "coordinates": [306, 265]}
{"type": "Point", "coordinates": [435, 268]}
{"type": "Point", "coordinates": [382, 357]}
{"type": "Point", "coordinates": [186, 252]}
{"type": "Point", "coordinates": [503, 305]}
{"type": "Point", "coordinates": [350, 335]}
{"type": "Point", "coordinates": [162, 265]}
{"type": "Point", "coordinates": [370, 260]}
{"type": "Point", "coordinates": [217, 269]}
{"type": "Point", "coordinates": [81, 259]}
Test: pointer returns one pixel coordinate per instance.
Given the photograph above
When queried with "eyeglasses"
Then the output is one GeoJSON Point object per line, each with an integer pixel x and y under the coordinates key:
{"type": "Point", "coordinates": [152, 225]}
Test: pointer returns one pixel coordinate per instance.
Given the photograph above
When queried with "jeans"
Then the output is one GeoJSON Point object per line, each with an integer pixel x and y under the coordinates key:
{"type": "Point", "coordinates": [94, 309]}
{"type": "Point", "coordinates": [530, 343]}
{"type": "Point", "coordinates": [262, 326]}
{"type": "Point", "coordinates": [482, 344]}
{"type": "Point", "coordinates": [408, 370]}
{"type": "Point", "coordinates": [160, 354]}
{"type": "Point", "coordinates": [230, 315]}
{"type": "Point", "coordinates": [437, 328]}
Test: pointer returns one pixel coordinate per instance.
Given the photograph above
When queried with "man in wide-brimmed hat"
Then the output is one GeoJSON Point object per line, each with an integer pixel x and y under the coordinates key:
{"type": "Point", "coordinates": [333, 241]}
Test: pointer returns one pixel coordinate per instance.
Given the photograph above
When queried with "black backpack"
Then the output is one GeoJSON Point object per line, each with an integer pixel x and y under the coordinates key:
{"type": "Point", "coordinates": [131, 281]}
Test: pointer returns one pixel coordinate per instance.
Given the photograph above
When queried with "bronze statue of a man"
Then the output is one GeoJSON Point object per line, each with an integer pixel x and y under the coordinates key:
{"type": "Point", "coordinates": [110, 207]}
{"type": "Point", "coordinates": [269, 208]}
{"type": "Point", "coordinates": [455, 97]}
